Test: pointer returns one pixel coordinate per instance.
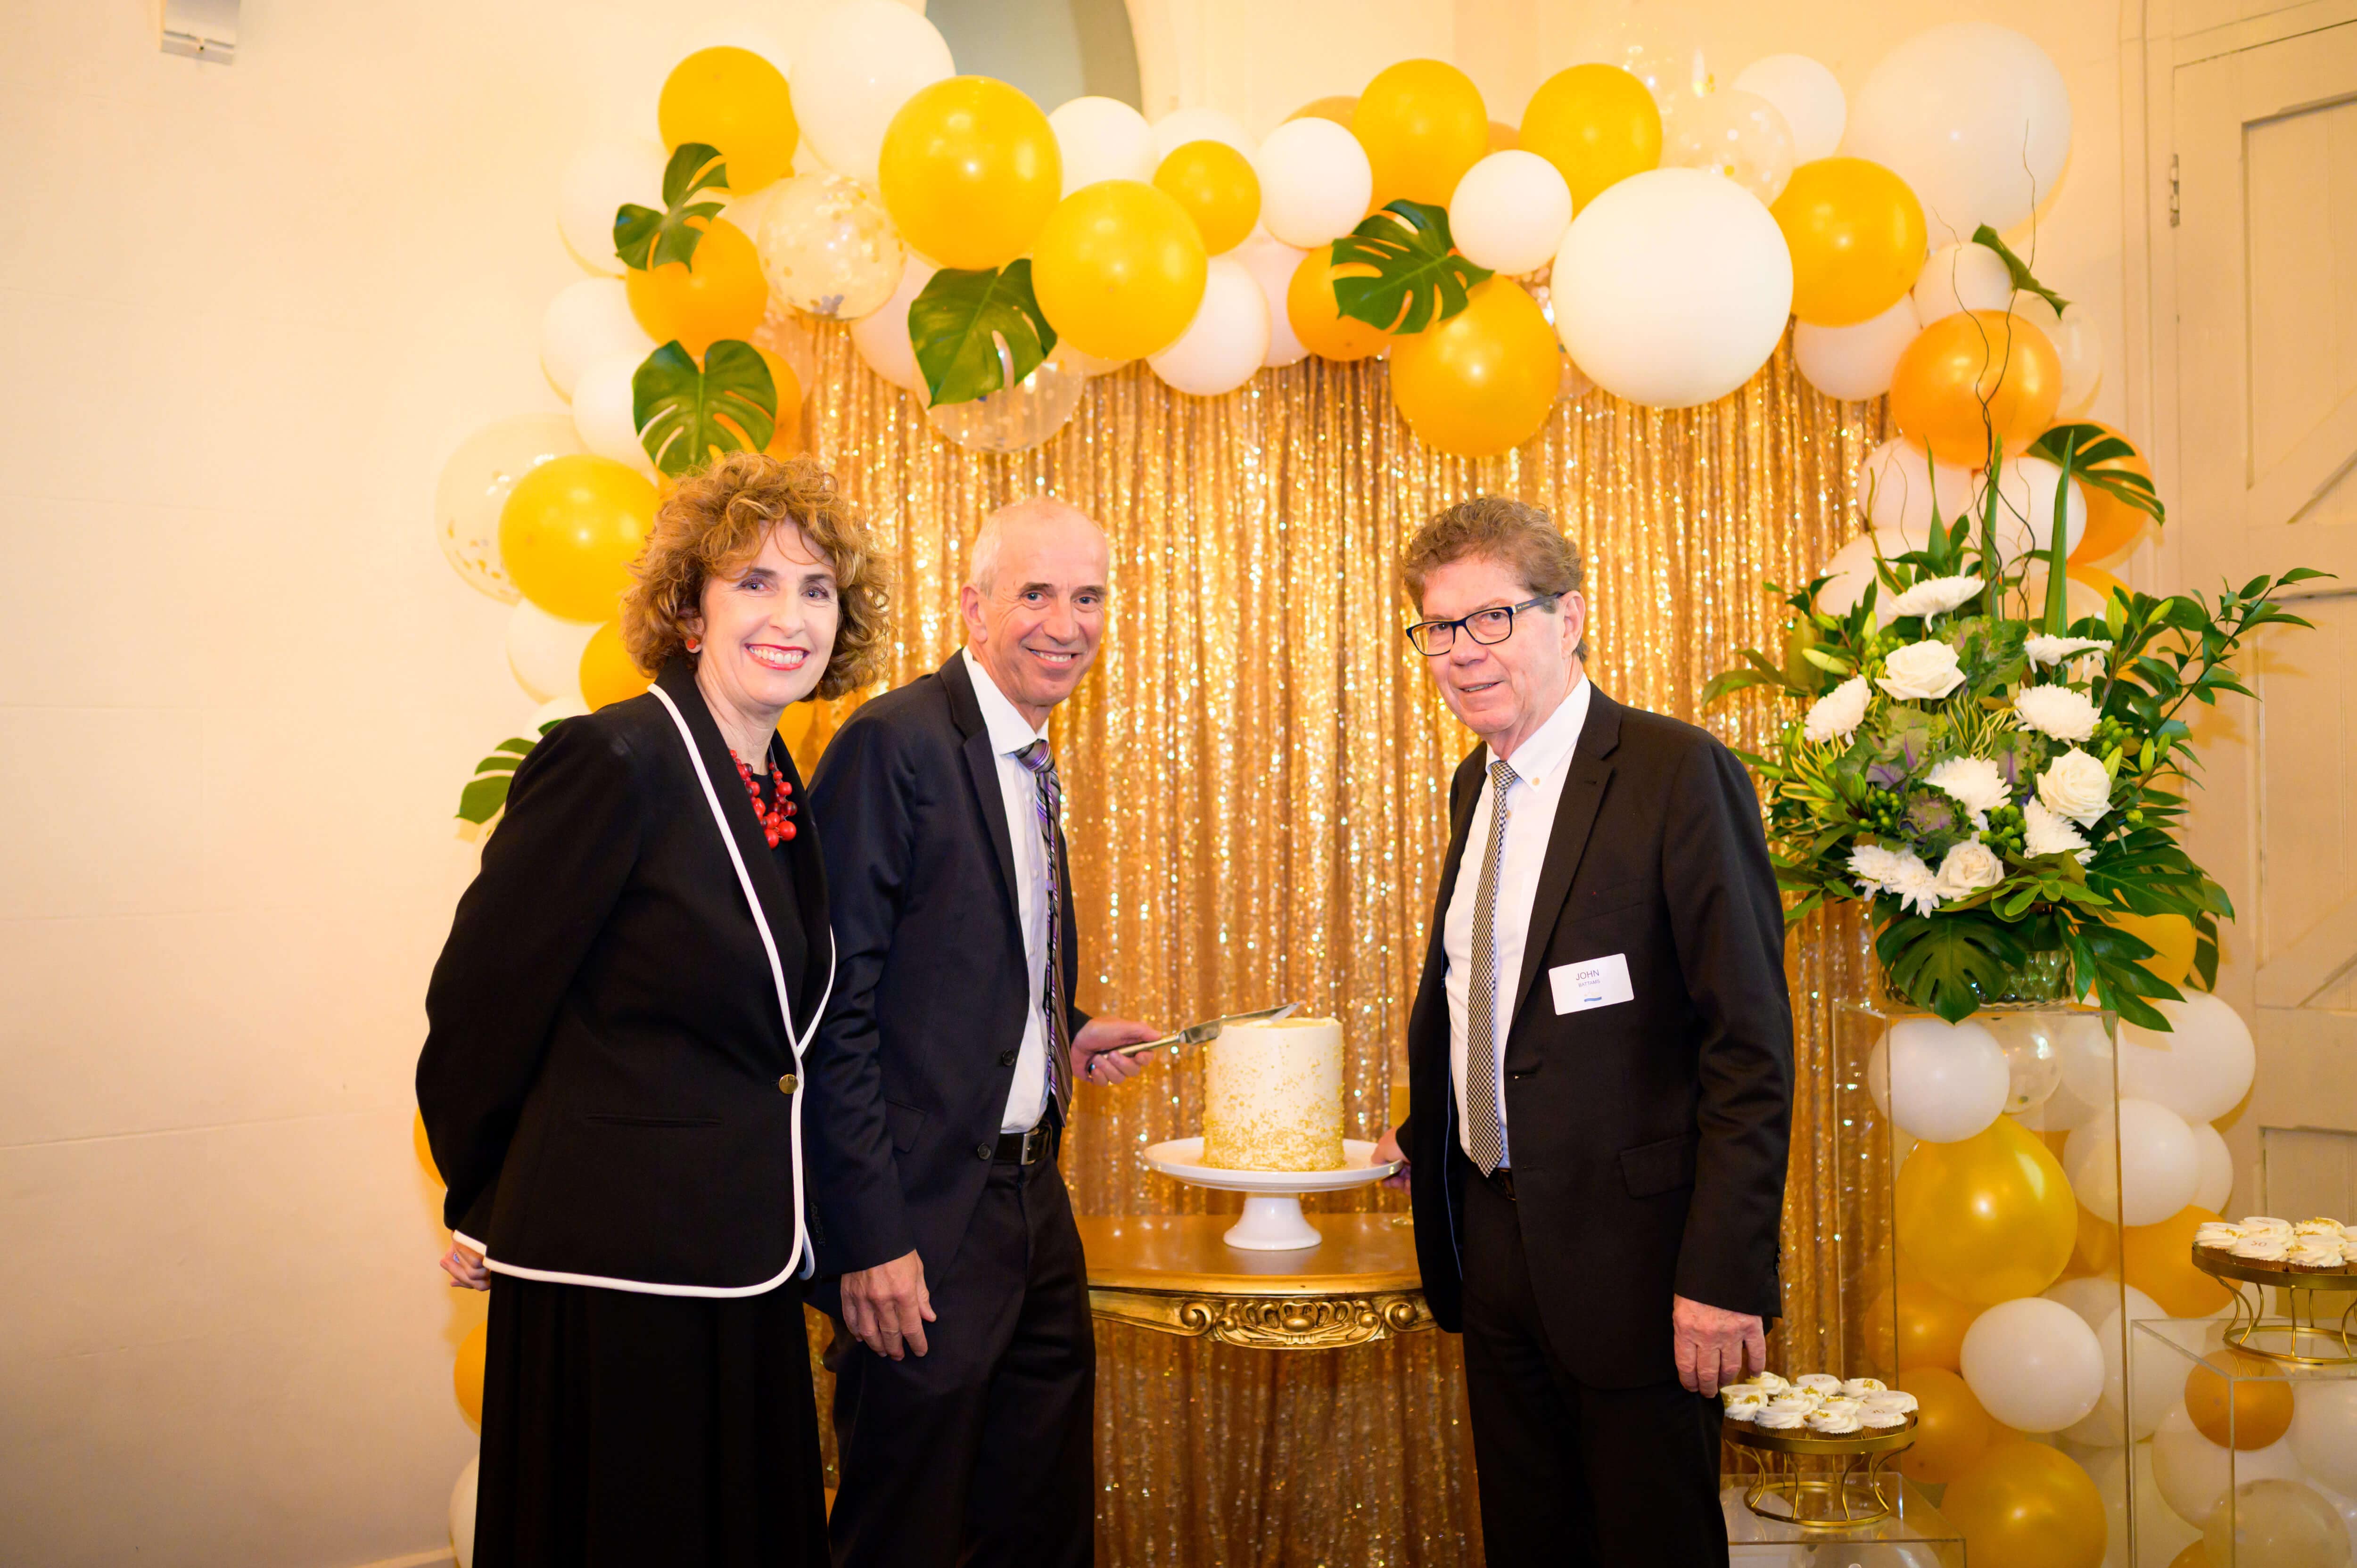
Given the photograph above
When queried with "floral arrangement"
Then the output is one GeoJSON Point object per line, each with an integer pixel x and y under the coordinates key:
{"type": "Point", "coordinates": [1997, 781]}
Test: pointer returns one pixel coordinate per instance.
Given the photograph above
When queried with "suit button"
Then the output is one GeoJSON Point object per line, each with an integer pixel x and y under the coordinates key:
{"type": "Point", "coordinates": [789, 1083]}
{"type": "Point", "coordinates": [984, 1150]}
{"type": "Point", "coordinates": [1006, 1059]}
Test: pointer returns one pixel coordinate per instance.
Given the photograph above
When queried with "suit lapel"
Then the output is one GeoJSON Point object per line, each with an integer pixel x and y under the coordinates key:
{"type": "Point", "coordinates": [678, 679]}
{"type": "Point", "coordinates": [810, 891]}
{"type": "Point", "coordinates": [982, 773]}
{"type": "Point", "coordinates": [1575, 818]}
{"type": "Point", "coordinates": [1464, 795]}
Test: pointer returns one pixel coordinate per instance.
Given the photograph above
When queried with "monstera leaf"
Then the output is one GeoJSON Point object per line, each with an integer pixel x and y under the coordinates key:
{"type": "Point", "coordinates": [1985, 235]}
{"type": "Point", "coordinates": [684, 413]}
{"type": "Point", "coordinates": [1418, 279]}
{"type": "Point", "coordinates": [956, 321]}
{"type": "Point", "coordinates": [1949, 964]}
{"type": "Point", "coordinates": [486, 794]}
{"type": "Point", "coordinates": [646, 239]}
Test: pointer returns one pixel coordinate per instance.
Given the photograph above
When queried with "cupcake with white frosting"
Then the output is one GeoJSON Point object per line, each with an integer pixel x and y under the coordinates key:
{"type": "Point", "coordinates": [1742, 1401]}
{"type": "Point", "coordinates": [1859, 1388]}
{"type": "Point", "coordinates": [2331, 1228]}
{"type": "Point", "coordinates": [1822, 1384]}
{"type": "Point", "coordinates": [2218, 1234]}
{"type": "Point", "coordinates": [1880, 1418]}
{"type": "Point", "coordinates": [1770, 1381]}
{"type": "Point", "coordinates": [2316, 1255]}
{"type": "Point", "coordinates": [1834, 1422]}
{"type": "Point", "coordinates": [1899, 1400]}
{"type": "Point", "coordinates": [2265, 1224]}
{"type": "Point", "coordinates": [1774, 1419]}
{"type": "Point", "coordinates": [2264, 1248]}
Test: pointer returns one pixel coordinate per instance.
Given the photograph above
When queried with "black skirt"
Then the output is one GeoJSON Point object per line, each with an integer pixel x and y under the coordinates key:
{"type": "Point", "coordinates": [622, 1429]}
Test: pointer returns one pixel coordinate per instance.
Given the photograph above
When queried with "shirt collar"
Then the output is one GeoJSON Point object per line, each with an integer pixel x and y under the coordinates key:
{"type": "Point", "coordinates": [1550, 745]}
{"type": "Point", "coordinates": [1008, 732]}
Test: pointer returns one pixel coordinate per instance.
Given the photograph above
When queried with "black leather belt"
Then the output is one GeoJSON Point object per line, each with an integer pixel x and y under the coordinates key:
{"type": "Point", "coordinates": [1026, 1148]}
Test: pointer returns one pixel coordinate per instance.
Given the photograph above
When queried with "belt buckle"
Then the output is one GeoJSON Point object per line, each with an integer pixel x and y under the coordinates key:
{"type": "Point", "coordinates": [1035, 1142]}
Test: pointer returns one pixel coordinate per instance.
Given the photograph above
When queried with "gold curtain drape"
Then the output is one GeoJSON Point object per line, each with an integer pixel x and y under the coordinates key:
{"type": "Point", "coordinates": [1255, 775]}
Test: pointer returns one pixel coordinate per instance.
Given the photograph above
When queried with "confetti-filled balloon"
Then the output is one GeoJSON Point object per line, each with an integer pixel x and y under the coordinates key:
{"type": "Point", "coordinates": [828, 247]}
{"type": "Point", "coordinates": [475, 484]}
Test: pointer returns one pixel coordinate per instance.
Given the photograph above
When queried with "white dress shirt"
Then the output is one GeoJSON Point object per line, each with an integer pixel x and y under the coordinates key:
{"type": "Point", "coordinates": [1541, 764]}
{"type": "Point", "coordinates": [1009, 732]}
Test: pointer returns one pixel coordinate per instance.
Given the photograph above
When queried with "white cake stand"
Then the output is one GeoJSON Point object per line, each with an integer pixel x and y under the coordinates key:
{"type": "Point", "coordinates": [1273, 1220]}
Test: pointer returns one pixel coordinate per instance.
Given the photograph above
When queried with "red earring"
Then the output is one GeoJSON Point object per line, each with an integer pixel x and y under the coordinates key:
{"type": "Point", "coordinates": [696, 645]}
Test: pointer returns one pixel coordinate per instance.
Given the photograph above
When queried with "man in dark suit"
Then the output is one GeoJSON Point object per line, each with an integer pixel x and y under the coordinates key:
{"type": "Point", "coordinates": [1600, 1069]}
{"type": "Point", "coordinates": [942, 1076]}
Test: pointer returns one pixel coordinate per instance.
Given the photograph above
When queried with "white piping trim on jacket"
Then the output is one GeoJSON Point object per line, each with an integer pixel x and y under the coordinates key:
{"type": "Point", "coordinates": [803, 1252]}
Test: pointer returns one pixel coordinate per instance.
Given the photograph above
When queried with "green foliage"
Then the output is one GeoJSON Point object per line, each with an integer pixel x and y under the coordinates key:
{"type": "Point", "coordinates": [1418, 280]}
{"type": "Point", "coordinates": [645, 239]}
{"type": "Point", "coordinates": [486, 794]}
{"type": "Point", "coordinates": [1985, 235]}
{"type": "Point", "coordinates": [2077, 449]}
{"type": "Point", "coordinates": [685, 412]}
{"type": "Point", "coordinates": [958, 320]}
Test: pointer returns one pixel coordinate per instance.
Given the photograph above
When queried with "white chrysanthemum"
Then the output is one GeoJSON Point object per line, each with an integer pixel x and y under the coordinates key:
{"type": "Point", "coordinates": [1873, 866]}
{"type": "Point", "coordinates": [1837, 714]}
{"type": "Point", "coordinates": [2062, 712]}
{"type": "Point", "coordinates": [2076, 786]}
{"type": "Point", "coordinates": [2045, 651]}
{"type": "Point", "coordinates": [2046, 834]}
{"type": "Point", "coordinates": [1969, 868]}
{"type": "Point", "coordinates": [1916, 884]}
{"type": "Point", "coordinates": [1925, 671]}
{"type": "Point", "coordinates": [1972, 782]}
{"type": "Point", "coordinates": [1933, 597]}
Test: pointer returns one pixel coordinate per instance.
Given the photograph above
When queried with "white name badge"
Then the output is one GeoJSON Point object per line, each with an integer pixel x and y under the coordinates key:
{"type": "Point", "coordinates": [1591, 982]}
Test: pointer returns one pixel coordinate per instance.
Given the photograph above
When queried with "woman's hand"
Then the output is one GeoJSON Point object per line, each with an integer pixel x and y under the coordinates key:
{"type": "Point", "coordinates": [887, 1306]}
{"type": "Point", "coordinates": [465, 1267]}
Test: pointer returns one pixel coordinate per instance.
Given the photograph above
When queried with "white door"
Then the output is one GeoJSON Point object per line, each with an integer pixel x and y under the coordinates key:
{"type": "Point", "coordinates": [2265, 243]}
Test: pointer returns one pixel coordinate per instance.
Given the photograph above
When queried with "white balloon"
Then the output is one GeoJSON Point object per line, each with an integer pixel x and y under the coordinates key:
{"type": "Point", "coordinates": [2191, 1473]}
{"type": "Point", "coordinates": [2033, 1059]}
{"type": "Point", "coordinates": [545, 652]}
{"type": "Point", "coordinates": [2033, 1364]}
{"type": "Point", "coordinates": [2201, 1069]}
{"type": "Point", "coordinates": [462, 1513]}
{"type": "Point", "coordinates": [1314, 182]}
{"type": "Point", "coordinates": [2148, 1171]}
{"type": "Point", "coordinates": [2077, 345]}
{"type": "Point", "coordinates": [1808, 97]}
{"type": "Point", "coordinates": [2088, 1069]}
{"type": "Point", "coordinates": [1962, 277]}
{"type": "Point", "coordinates": [1180, 126]}
{"type": "Point", "coordinates": [1226, 341]}
{"type": "Point", "coordinates": [2158, 1382]}
{"type": "Point", "coordinates": [2025, 498]}
{"type": "Point", "coordinates": [1738, 135]}
{"type": "Point", "coordinates": [860, 60]}
{"type": "Point", "coordinates": [1899, 485]}
{"type": "Point", "coordinates": [2215, 1184]}
{"type": "Point", "coordinates": [2343, 1504]}
{"type": "Point", "coordinates": [605, 411]}
{"type": "Point", "coordinates": [1509, 211]}
{"type": "Point", "coordinates": [1973, 117]}
{"type": "Point", "coordinates": [1272, 263]}
{"type": "Point", "coordinates": [1945, 1081]}
{"type": "Point", "coordinates": [2281, 1523]}
{"type": "Point", "coordinates": [1102, 138]}
{"type": "Point", "coordinates": [1671, 288]}
{"type": "Point", "coordinates": [1088, 367]}
{"type": "Point", "coordinates": [882, 336]}
{"type": "Point", "coordinates": [1854, 363]}
{"type": "Point", "coordinates": [2324, 1432]}
{"type": "Point", "coordinates": [600, 178]}
{"type": "Point", "coordinates": [2092, 1298]}
{"type": "Point", "coordinates": [588, 321]}
{"type": "Point", "coordinates": [1851, 570]}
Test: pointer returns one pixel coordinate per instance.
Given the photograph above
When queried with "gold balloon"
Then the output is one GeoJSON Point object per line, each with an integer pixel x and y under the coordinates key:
{"type": "Point", "coordinates": [1484, 380]}
{"type": "Point", "coordinates": [2239, 1401]}
{"type": "Point", "coordinates": [2027, 1505]}
{"type": "Point", "coordinates": [607, 676]}
{"type": "Point", "coordinates": [1318, 321]}
{"type": "Point", "coordinates": [1972, 374]}
{"type": "Point", "coordinates": [467, 1374]}
{"type": "Point", "coordinates": [1924, 1325]}
{"type": "Point", "coordinates": [569, 530]}
{"type": "Point", "coordinates": [1952, 1430]}
{"type": "Point", "coordinates": [1596, 123]}
{"type": "Point", "coordinates": [1216, 185]}
{"type": "Point", "coordinates": [970, 171]}
{"type": "Point", "coordinates": [1422, 125]}
{"type": "Point", "coordinates": [418, 1141]}
{"type": "Point", "coordinates": [2113, 526]}
{"type": "Point", "coordinates": [1337, 108]}
{"type": "Point", "coordinates": [720, 293]}
{"type": "Point", "coordinates": [734, 100]}
{"type": "Point", "coordinates": [2171, 937]}
{"type": "Point", "coordinates": [1987, 1218]}
{"type": "Point", "coordinates": [2195, 1555]}
{"type": "Point", "coordinates": [2096, 1247]}
{"type": "Point", "coordinates": [1855, 232]}
{"type": "Point", "coordinates": [2158, 1261]}
{"type": "Point", "coordinates": [1119, 269]}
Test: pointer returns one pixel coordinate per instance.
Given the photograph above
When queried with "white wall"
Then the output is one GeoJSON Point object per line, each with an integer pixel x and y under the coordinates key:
{"type": "Point", "coordinates": [247, 310]}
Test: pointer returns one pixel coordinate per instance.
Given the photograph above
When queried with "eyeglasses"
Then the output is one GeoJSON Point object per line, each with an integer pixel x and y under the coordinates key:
{"type": "Point", "coordinates": [1433, 638]}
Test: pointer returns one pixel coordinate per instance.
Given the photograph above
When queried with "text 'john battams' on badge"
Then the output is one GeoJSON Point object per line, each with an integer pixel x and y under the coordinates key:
{"type": "Point", "coordinates": [1590, 982]}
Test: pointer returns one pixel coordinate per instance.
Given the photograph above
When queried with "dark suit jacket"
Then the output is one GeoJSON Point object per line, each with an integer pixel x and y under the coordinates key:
{"type": "Point", "coordinates": [1648, 1137]}
{"type": "Point", "coordinates": [605, 1052]}
{"type": "Point", "coordinates": [912, 1064]}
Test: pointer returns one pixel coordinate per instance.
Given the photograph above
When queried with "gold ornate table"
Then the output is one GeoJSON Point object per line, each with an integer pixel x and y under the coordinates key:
{"type": "Point", "coordinates": [1172, 1273]}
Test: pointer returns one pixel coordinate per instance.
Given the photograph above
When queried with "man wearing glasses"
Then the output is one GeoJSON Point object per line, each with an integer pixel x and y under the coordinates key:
{"type": "Point", "coordinates": [1601, 1068]}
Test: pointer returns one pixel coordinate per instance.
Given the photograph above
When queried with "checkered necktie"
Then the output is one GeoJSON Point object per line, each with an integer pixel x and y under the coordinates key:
{"type": "Point", "coordinates": [1485, 1127]}
{"type": "Point", "coordinates": [1049, 806]}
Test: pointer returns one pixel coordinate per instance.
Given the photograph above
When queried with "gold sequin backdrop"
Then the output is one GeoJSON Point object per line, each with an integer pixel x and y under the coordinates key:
{"type": "Point", "coordinates": [1256, 772]}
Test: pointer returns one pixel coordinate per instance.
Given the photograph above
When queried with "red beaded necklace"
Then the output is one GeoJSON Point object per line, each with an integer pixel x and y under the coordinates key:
{"type": "Point", "coordinates": [774, 825]}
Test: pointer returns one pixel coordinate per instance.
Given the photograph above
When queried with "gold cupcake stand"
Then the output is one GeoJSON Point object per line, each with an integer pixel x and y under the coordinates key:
{"type": "Point", "coordinates": [1817, 1480]}
{"type": "Point", "coordinates": [2296, 1336]}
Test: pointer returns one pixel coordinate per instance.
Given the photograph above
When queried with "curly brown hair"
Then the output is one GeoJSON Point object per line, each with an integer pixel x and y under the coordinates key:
{"type": "Point", "coordinates": [713, 524]}
{"type": "Point", "coordinates": [1518, 536]}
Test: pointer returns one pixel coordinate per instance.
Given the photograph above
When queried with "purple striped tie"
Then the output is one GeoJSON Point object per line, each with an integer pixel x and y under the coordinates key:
{"type": "Point", "coordinates": [1049, 807]}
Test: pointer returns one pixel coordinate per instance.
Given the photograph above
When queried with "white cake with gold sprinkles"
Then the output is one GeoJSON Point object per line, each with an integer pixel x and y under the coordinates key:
{"type": "Point", "coordinates": [1272, 1096]}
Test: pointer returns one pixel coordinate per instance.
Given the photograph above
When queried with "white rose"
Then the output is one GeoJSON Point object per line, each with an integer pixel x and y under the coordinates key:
{"type": "Point", "coordinates": [1972, 782]}
{"type": "Point", "coordinates": [2062, 712]}
{"type": "Point", "coordinates": [1925, 671]}
{"type": "Point", "coordinates": [1932, 596]}
{"type": "Point", "coordinates": [1837, 714]}
{"type": "Point", "coordinates": [2044, 650]}
{"type": "Point", "coordinates": [1873, 866]}
{"type": "Point", "coordinates": [1917, 885]}
{"type": "Point", "coordinates": [1968, 868]}
{"type": "Point", "coordinates": [2046, 834]}
{"type": "Point", "coordinates": [2074, 785]}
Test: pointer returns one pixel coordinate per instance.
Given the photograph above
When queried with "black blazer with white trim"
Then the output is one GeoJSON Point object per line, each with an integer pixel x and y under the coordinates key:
{"type": "Point", "coordinates": [610, 1079]}
{"type": "Point", "coordinates": [1648, 1135]}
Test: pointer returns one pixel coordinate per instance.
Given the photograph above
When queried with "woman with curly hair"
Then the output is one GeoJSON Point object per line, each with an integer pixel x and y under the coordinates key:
{"type": "Point", "coordinates": [611, 1079]}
